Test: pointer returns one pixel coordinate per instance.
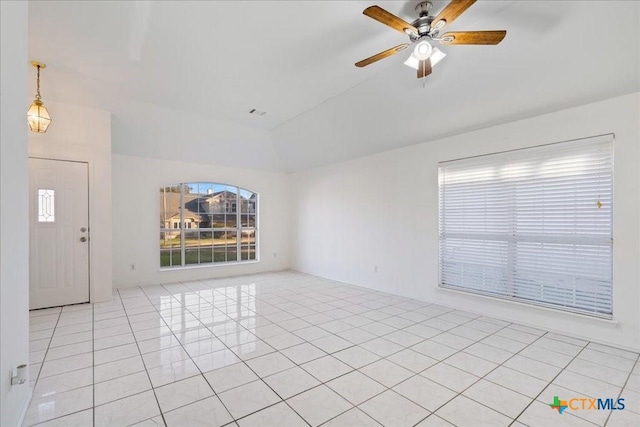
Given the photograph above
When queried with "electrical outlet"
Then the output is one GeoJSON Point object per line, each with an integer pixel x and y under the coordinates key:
{"type": "Point", "coordinates": [375, 269]}
{"type": "Point", "coordinates": [275, 254]}
{"type": "Point", "coordinates": [133, 267]}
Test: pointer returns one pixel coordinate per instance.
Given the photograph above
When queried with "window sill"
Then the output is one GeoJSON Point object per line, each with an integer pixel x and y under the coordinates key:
{"type": "Point", "coordinates": [602, 320]}
{"type": "Point", "coordinates": [199, 266]}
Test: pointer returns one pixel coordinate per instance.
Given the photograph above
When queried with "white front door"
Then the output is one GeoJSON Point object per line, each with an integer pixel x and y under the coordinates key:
{"type": "Point", "coordinates": [58, 233]}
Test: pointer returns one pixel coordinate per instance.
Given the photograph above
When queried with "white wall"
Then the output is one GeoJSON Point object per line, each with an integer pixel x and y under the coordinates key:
{"type": "Point", "coordinates": [14, 208]}
{"type": "Point", "coordinates": [84, 134]}
{"type": "Point", "coordinates": [136, 184]}
{"type": "Point", "coordinates": [145, 129]}
{"type": "Point", "coordinates": [382, 210]}
{"type": "Point", "coordinates": [166, 133]}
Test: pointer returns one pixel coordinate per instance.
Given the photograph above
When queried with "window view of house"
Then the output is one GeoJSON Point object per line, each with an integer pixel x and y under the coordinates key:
{"type": "Point", "coordinates": [206, 223]}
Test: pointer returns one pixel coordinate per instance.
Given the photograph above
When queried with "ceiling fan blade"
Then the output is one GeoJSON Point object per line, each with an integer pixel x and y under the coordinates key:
{"type": "Point", "coordinates": [473, 37]}
{"type": "Point", "coordinates": [387, 18]}
{"type": "Point", "coordinates": [424, 68]}
{"type": "Point", "coordinates": [451, 12]}
{"type": "Point", "coordinates": [381, 55]}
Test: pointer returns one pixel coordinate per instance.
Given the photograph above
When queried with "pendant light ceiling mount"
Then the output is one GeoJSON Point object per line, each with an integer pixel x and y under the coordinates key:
{"type": "Point", "coordinates": [37, 64]}
{"type": "Point", "coordinates": [38, 117]}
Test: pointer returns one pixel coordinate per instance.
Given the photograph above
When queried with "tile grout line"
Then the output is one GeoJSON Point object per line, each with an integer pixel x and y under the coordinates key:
{"type": "Point", "coordinates": [386, 357]}
{"type": "Point", "coordinates": [323, 297]}
{"type": "Point", "coordinates": [472, 384]}
{"type": "Point", "coordinates": [93, 385]}
{"type": "Point", "coordinates": [325, 383]}
{"type": "Point", "coordinates": [181, 345]}
{"type": "Point", "coordinates": [45, 357]}
{"type": "Point", "coordinates": [122, 305]}
{"type": "Point", "coordinates": [62, 373]}
{"type": "Point", "coordinates": [414, 374]}
{"type": "Point", "coordinates": [439, 361]}
{"type": "Point", "coordinates": [381, 357]}
{"type": "Point", "coordinates": [513, 420]}
{"type": "Point", "coordinates": [241, 361]}
{"type": "Point", "coordinates": [143, 364]}
{"type": "Point", "coordinates": [351, 346]}
{"type": "Point", "coordinates": [535, 399]}
{"type": "Point", "coordinates": [275, 351]}
{"type": "Point", "coordinates": [93, 363]}
{"type": "Point", "coordinates": [478, 317]}
{"type": "Point", "coordinates": [355, 345]}
{"type": "Point", "coordinates": [606, 421]}
{"type": "Point", "coordinates": [524, 373]}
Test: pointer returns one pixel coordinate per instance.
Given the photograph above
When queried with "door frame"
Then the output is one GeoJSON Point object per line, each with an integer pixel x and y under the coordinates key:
{"type": "Point", "coordinates": [89, 260]}
{"type": "Point", "coordinates": [84, 134]}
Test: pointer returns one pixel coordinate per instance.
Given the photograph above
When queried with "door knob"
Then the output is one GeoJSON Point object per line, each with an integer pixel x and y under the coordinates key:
{"type": "Point", "coordinates": [83, 239]}
{"type": "Point", "coordinates": [83, 229]}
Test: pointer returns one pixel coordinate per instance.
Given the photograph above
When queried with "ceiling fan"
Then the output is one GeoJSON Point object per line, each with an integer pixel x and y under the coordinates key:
{"type": "Point", "coordinates": [425, 29]}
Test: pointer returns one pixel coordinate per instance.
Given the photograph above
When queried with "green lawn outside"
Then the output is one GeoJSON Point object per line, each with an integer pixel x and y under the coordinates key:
{"type": "Point", "coordinates": [206, 256]}
{"type": "Point", "coordinates": [168, 243]}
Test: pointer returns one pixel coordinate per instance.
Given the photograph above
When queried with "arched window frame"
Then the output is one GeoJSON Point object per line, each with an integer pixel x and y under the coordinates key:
{"type": "Point", "coordinates": [208, 232]}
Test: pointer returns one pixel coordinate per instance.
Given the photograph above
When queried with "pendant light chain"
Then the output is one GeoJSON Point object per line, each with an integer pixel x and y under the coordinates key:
{"type": "Point", "coordinates": [38, 85]}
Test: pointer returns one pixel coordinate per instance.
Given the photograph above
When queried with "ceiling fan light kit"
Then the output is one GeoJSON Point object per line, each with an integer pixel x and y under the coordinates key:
{"type": "Point", "coordinates": [436, 56]}
{"type": "Point", "coordinates": [423, 50]}
{"type": "Point", "coordinates": [425, 29]}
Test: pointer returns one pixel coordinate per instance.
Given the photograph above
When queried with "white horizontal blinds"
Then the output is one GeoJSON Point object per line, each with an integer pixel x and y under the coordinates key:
{"type": "Point", "coordinates": [532, 224]}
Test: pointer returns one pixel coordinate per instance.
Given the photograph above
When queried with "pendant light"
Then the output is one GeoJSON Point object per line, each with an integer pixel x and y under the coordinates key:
{"type": "Point", "coordinates": [38, 117]}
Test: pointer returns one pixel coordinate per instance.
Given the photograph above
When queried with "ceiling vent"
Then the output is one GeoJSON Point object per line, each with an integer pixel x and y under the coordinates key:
{"type": "Point", "coordinates": [257, 112]}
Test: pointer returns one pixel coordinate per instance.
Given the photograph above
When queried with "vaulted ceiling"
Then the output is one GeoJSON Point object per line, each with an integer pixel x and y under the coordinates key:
{"type": "Point", "coordinates": [294, 60]}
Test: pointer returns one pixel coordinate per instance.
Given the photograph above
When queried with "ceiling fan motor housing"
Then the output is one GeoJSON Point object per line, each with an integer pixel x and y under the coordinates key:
{"type": "Point", "coordinates": [423, 25]}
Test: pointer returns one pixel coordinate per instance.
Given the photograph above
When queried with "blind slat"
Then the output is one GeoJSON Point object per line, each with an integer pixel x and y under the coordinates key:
{"type": "Point", "coordinates": [533, 225]}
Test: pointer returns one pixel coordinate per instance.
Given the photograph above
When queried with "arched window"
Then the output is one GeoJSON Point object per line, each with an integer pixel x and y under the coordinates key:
{"type": "Point", "coordinates": [207, 223]}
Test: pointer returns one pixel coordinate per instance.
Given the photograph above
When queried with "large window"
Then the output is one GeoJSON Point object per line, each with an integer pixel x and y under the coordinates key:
{"type": "Point", "coordinates": [207, 223]}
{"type": "Point", "coordinates": [533, 225]}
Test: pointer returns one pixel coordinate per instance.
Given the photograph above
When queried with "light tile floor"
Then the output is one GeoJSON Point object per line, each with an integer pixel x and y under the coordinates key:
{"type": "Point", "coordinates": [288, 349]}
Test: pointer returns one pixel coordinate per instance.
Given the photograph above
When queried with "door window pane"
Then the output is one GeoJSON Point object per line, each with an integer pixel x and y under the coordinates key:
{"type": "Point", "coordinates": [46, 205]}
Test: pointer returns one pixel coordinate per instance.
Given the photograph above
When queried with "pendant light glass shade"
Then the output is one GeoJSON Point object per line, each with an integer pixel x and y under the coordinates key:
{"type": "Point", "coordinates": [37, 116]}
